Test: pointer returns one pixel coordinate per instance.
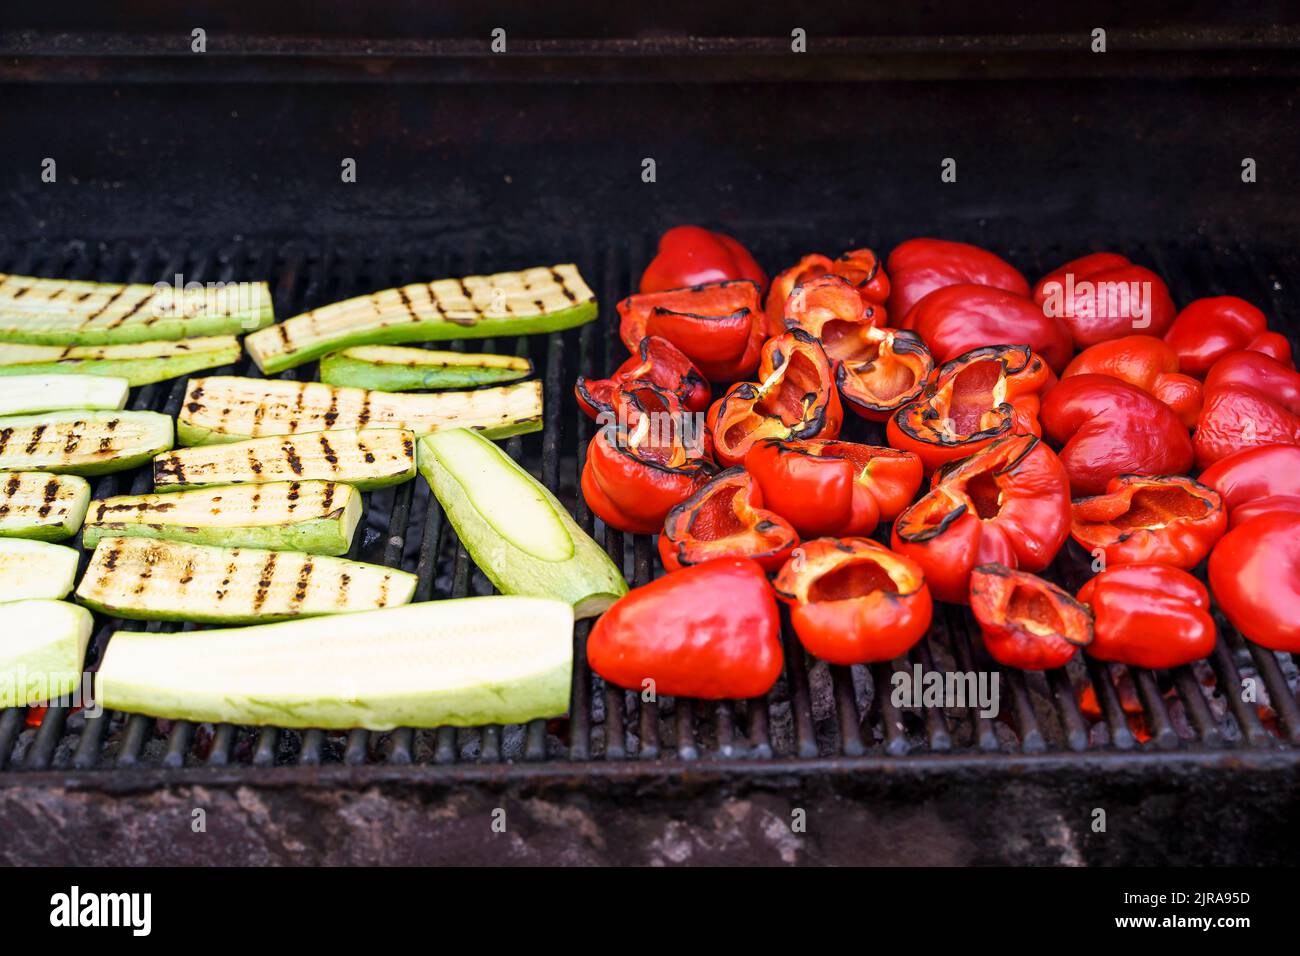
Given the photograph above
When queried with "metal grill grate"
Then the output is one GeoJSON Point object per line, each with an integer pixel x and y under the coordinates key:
{"type": "Point", "coordinates": [815, 711]}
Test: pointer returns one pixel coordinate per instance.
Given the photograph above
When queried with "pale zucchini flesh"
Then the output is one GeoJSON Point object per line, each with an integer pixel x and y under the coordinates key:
{"type": "Point", "coordinates": [223, 408]}
{"type": "Point", "coordinates": [35, 569]}
{"type": "Point", "coordinates": [517, 532]}
{"type": "Point", "coordinates": [81, 442]}
{"type": "Point", "coordinates": [158, 579]}
{"type": "Point", "coordinates": [26, 394]}
{"type": "Point", "coordinates": [391, 368]}
{"type": "Point", "coordinates": [367, 458]}
{"type": "Point", "coordinates": [140, 363]}
{"type": "Point", "coordinates": [41, 505]}
{"type": "Point", "coordinates": [542, 299]}
{"type": "Point", "coordinates": [318, 517]}
{"type": "Point", "coordinates": [462, 663]}
{"type": "Point", "coordinates": [42, 651]}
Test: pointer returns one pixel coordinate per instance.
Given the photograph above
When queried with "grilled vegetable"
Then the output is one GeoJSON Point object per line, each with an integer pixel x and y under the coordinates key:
{"type": "Point", "coordinates": [43, 651]}
{"type": "Point", "coordinates": [79, 442]}
{"type": "Point", "coordinates": [313, 516]}
{"type": "Point", "coordinates": [35, 569]}
{"type": "Point", "coordinates": [147, 579]}
{"type": "Point", "coordinates": [462, 663]}
{"type": "Point", "coordinates": [225, 409]}
{"type": "Point", "coordinates": [517, 532]}
{"type": "Point", "coordinates": [368, 458]}
{"type": "Point", "coordinates": [63, 312]}
{"type": "Point", "coordinates": [475, 307]}
{"type": "Point", "coordinates": [138, 362]}
{"type": "Point", "coordinates": [41, 505]}
{"type": "Point", "coordinates": [391, 368]}
{"type": "Point", "coordinates": [23, 394]}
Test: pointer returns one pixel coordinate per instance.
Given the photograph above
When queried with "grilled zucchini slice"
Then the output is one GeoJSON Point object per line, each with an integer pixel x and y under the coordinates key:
{"type": "Point", "coordinates": [318, 517]}
{"type": "Point", "coordinates": [391, 368]}
{"type": "Point", "coordinates": [42, 505]}
{"type": "Point", "coordinates": [35, 569]}
{"type": "Point", "coordinates": [224, 408]}
{"type": "Point", "coordinates": [140, 363]}
{"type": "Point", "coordinates": [24, 394]}
{"type": "Point", "coordinates": [82, 442]}
{"type": "Point", "coordinates": [542, 299]}
{"type": "Point", "coordinates": [42, 651]}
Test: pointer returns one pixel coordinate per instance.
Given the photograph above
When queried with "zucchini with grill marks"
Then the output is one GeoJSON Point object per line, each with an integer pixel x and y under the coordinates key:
{"type": "Point", "coordinates": [42, 505]}
{"type": "Point", "coordinates": [42, 651]}
{"type": "Point", "coordinates": [542, 299]}
{"type": "Point", "coordinates": [140, 363]}
{"type": "Point", "coordinates": [35, 569]}
{"type": "Point", "coordinates": [391, 368]}
{"type": "Point", "coordinates": [24, 394]}
{"type": "Point", "coordinates": [318, 517]}
{"type": "Point", "coordinates": [64, 312]}
{"type": "Point", "coordinates": [366, 459]}
{"type": "Point", "coordinates": [81, 442]}
{"type": "Point", "coordinates": [224, 408]}
{"type": "Point", "coordinates": [155, 579]}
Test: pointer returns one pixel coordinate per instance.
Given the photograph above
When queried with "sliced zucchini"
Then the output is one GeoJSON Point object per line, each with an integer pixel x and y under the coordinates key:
{"type": "Point", "coordinates": [461, 663]}
{"type": "Point", "coordinates": [42, 505]}
{"type": "Point", "coordinates": [64, 312]}
{"type": "Point", "coordinates": [35, 569]}
{"type": "Point", "coordinates": [140, 363]}
{"type": "Point", "coordinates": [366, 459]}
{"type": "Point", "coordinates": [391, 368]}
{"type": "Point", "coordinates": [151, 579]}
{"type": "Point", "coordinates": [541, 299]}
{"type": "Point", "coordinates": [516, 531]}
{"type": "Point", "coordinates": [318, 517]}
{"type": "Point", "coordinates": [82, 442]}
{"type": "Point", "coordinates": [42, 651]}
{"type": "Point", "coordinates": [24, 394]}
{"type": "Point", "coordinates": [224, 408]}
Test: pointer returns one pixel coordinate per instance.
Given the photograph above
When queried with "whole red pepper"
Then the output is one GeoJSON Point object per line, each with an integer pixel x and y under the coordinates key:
{"type": "Point", "coordinates": [1149, 615]}
{"type": "Point", "coordinates": [917, 267]}
{"type": "Point", "coordinates": [1236, 418]}
{"type": "Point", "coordinates": [957, 318]}
{"type": "Point", "coordinates": [689, 255]}
{"type": "Point", "coordinates": [1027, 622]}
{"type": "Point", "coordinates": [726, 519]}
{"type": "Point", "coordinates": [710, 631]}
{"type": "Point", "coordinates": [1208, 329]}
{"type": "Point", "coordinates": [853, 601]}
{"type": "Point", "coordinates": [1109, 428]}
{"type": "Point", "coordinates": [1104, 296]}
{"type": "Point", "coordinates": [719, 326]}
{"type": "Point", "coordinates": [838, 488]}
{"type": "Point", "coordinates": [1257, 480]}
{"type": "Point", "coordinates": [1150, 364]}
{"type": "Point", "coordinates": [656, 361]}
{"type": "Point", "coordinates": [1255, 575]}
{"type": "Point", "coordinates": [859, 267]}
{"type": "Point", "coordinates": [1009, 503]}
{"type": "Point", "coordinates": [1165, 520]}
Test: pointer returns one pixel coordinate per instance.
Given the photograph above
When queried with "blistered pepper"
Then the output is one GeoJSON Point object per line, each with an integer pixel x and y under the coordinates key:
{"type": "Point", "coordinates": [1150, 364]}
{"type": "Point", "coordinates": [1104, 296]}
{"type": "Point", "coordinates": [726, 519]}
{"type": "Point", "coordinates": [689, 255]}
{"type": "Point", "coordinates": [1236, 418]}
{"type": "Point", "coordinates": [1162, 520]}
{"type": "Point", "coordinates": [918, 267]}
{"type": "Point", "coordinates": [656, 361]}
{"type": "Point", "coordinates": [1256, 481]}
{"type": "Point", "coordinates": [1255, 575]}
{"type": "Point", "coordinates": [853, 601]}
{"type": "Point", "coordinates": [859, 267]}
{"type": "Point", "coordinates": [1027, 622]}
{"type": "Point", "coordinates": [957, 318]}
{"type": "Point", "coordinates": [719, 325]}
{"type": "Point", "coordinates": [1148, 615]}
{"type": "Point", "coordinates": [837, 488]}
{"type": "Point", "coordinates": [1208, 329]}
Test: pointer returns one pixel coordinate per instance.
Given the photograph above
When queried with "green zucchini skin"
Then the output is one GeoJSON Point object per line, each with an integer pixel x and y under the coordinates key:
{"type": "Point", "coordinates": [80, 442]}
{"type": "Point", "coordinates": [344, 368]}
{"type": "Point", "coordinates": [41, 505]}
{"type": "Point", "coordinates": [48, 658]}
{"type": "Point", "coordinates": [137, 371]}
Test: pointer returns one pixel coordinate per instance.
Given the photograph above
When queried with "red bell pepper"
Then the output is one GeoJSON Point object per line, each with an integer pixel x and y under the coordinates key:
{"type": "Point", "coordinates": [1148, 615]}
{"type": "Point", "coordinates": [719, 325]}
{"type": "Point", "coordinates": [795, 398]}
{"type": "Point", "coordinates": [853, 601]}
{"type": "Point", "coordinates": [1250, 400]}
{"type": "Point", "coordinates": [1166, 520]}
{"type": "Point", "coordinates": [859, 267]}
{"type": "Point", "coordinates": [1257, 480]}
{"type": "Point", "coordinates": [1009, 503]}
{"type": "Point", "coordinates": [1027, 622]}
{"type": "Point", "coordinates": [656, 361]}
{"type": "Point", "coordinates": [1150, 364]}
{"type": "Point", "coordinates": [1109, 428]}
{"type": "Point", "coordinates": [689, 255]}
{"type": "Point", "coordinates": [1255, 575]}
{"type": "Point", "coordinates": [957, 318]}
{"type": "Point", "coordinates": [837, 488]}
{"type": "Point", "coordinates": [1208, 329]}
{"type": "Point", "coordinates": [918, 267]}
{"type": "Point", "coordinates": [726, 519]}
{"type": "Point", "coordinates": [1104, 296]}
{"type": "Point", "coordinates": [710, 631]}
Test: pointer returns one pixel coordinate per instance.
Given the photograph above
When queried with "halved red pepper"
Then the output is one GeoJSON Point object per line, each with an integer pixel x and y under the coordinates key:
{"type": "Point", "coordinates": [1027, 622]}
{"type": "Point", "coordinates": [1255, 574]}
{"type": "Point", "coordinates": [1256, 481]}
{"type": "Point", "coordinates": [853, 601]}
{"type": "Point", "coordinates": [1150, 364]}
{"type": "Point", "coordinates": [839, 488]}
{"type": "Point", "coordinates": [918, 267]}
{"type": "Point", "coordinates": [795, 398]}
{"type": "Point", "coordinates": [1148, 615]}
{"type": "Point", "coordinates": [1208, 329]}
{"type": "Point", "coordinates": [977, 398]}
{"type": "Point", "coordinates": [1105, 296]}
{"type": "Point", "coordinates": [1163, 520]}
{"type": "Point", "coordinates": [1009, 503]}
{"type": "Point", "coordinates": [656, 361]}
{"type": "Point", "coordinates": [719, 325]}
{"type": "Point", "coordinates": [957, 318]}
{"type": "Point", "coordinates": [726, 519]}
{"type": "Point", "coordinates": [859, 267]}
{"type": "Point", "coordinates": [689, 255]}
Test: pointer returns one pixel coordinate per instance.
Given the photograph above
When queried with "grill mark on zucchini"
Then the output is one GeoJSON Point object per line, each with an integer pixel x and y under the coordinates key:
{"type": "Point", "coordinates": [188, 574]}
{"type": "Point", "coordinates": [264, 582]}
{"type": "Point", "coordinates": [12, 486]}
{"type": "Point", "coordinates": [73, 440]}
{"type": "Point", "coordinates": [110, 559]}
{"type": "Point", "coordinates": [292, 496]}
{"type": "Point", "coordinates": [254, 464]}
{"type": "Point", "coordinates": [5, 435]}
{"type": "Point", "coordinates": [108, 303]}
{"type": "Point", "coordinates": [344, 580]}
{"type": "Point", "coordinates": [327, 497]}
{"type": "Point", "coordinates": [300, 592]}
{"type": "Point", "coordinates": [366, 453]}
{"type": "Point", "coordinates": [37, 432]}
{"type": "Point", "coordinates": [291, 458]}
{"type": "Point", "coordinates": [363, 416]}
{"type": "Point", "coordinates": [50, 493]}
{"type": "Point", "coordinates": [406, 303]}
{"type": "Point", "coordinates": [328, 451]}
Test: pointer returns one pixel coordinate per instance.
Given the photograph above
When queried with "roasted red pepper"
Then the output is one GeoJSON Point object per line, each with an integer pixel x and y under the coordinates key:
{"type": "Point", "coordinates": [795, 398]}
{"type": "Point", "coordinates": [1007, 504]}
{"type": "Point", "coordinates": [920, 266]}
{"type": "Point", "coordinates": [1109, 428]}
{"type": "Point", "coordinates": [977, 398]}
{"type": "Point", "coordinates": [957, 318]}
{"type": "Point", "coordinates": [710, 631]}
{"type": "Point", "coordinates": [1255, 481]}
{"type": "Point", "coordinates": [719, 326]}
{"type": "Point", "coordinates": [1255, 575]}
{"type": "Point", "coordinates": [1027, 622]}
{"type": "Point", "coordinates": [1148, 615]}
{"type": "Point", "coordinates": [1208, 329]}
{"type": "Point", "coordinates": [689, 255]}
{"type": "Point", "coordinates": [853, 601]}
{"type": "Point", "coordinates": [726, 519]}
{"type": "Point", "coordinates": [1104, 296]}
{"type": "Point", "coordinates": [1165, 520]}
{"type": "Point", "coordinates": [1236, 418]}
{"type": "Point", "coordinates": [1148, 363]}
{"type": "Point", "coordinates": [834, 488]}
{"type": "Point", "coordinates": [860, 268]}
{"type": "Point", "coordinates": [656, 361]}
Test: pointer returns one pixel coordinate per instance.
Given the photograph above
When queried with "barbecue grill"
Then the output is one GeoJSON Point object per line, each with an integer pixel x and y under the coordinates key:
{"type": "Point", "coordinates": [466, 165]}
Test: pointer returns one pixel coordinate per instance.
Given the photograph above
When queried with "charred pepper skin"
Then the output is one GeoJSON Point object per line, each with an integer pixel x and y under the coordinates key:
{"type": "Point", "coordinates": [1208, 329]}
{"type": "Point", "coordinates": [957, 318]}
{"type": "Point", "coordinates": [1255, 576]}
{"type": "Point", "coordinates": [657, 361]}
{"type": "Point", "coordinates": [1168, 519]}
{"type": "Point", "coordinates": [690, 255]}
{"type": "Point", "coordinates": [1149, 615]}
{"type": "Point", "coordinates": [918, 267]}
{"type": "Point", "coordinates": [1150, 364]}
{"type": "Point", "coordinates": [1257, 480]}
{"type": "Point", "coordinates": [1080, 293]}
{"type": "Point", "coordinates": [1027, 623]}
{"type": "Point", "coordinates": [718, 325]}
{"type": "Point", "coordinates": [726, 519]}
